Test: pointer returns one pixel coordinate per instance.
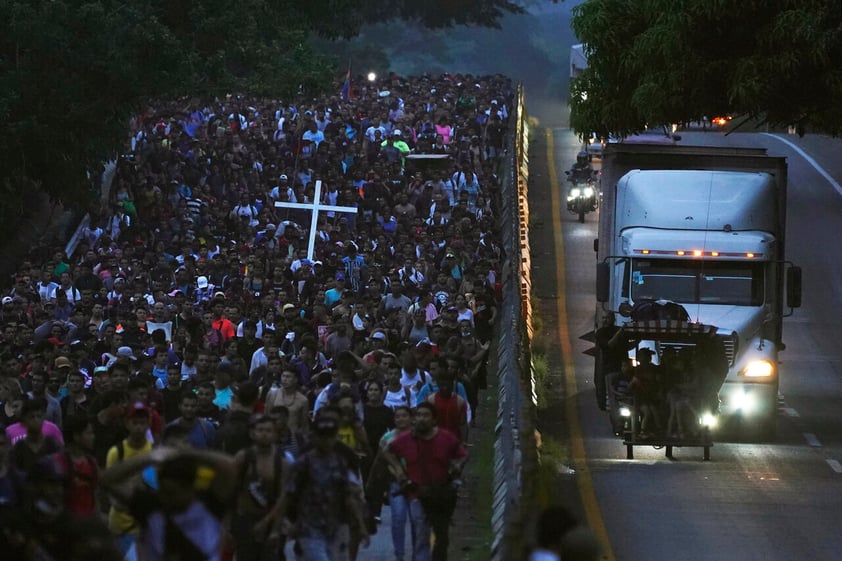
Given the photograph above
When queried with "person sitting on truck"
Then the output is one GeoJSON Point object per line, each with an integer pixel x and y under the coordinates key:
{"type": "Point", "coordinates": [644, 387]}
{"type": "Point", "coordinates": [683, 396]}
{"type": "Point", "coordinates": [581, 170]}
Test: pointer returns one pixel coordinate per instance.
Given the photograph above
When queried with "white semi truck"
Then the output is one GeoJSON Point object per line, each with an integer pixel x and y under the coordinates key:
{"type": "Point", "coordinates": [705, 228]}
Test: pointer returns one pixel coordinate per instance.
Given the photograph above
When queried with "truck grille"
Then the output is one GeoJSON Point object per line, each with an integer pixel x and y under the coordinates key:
{"type": "Point", "coordinates": [731, 345]}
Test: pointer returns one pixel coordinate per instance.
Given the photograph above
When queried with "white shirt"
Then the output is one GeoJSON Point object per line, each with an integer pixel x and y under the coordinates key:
{"type": "Point", "coordinates": [414, 381]}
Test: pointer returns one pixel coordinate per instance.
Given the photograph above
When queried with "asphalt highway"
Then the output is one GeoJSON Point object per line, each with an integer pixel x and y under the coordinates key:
{"type": "Point", "coordinates": [769, 501]}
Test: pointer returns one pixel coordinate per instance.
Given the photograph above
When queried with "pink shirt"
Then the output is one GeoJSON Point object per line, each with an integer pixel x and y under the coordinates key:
{"type": "Point", "coordinates": [445, 131]}
{"type": "Point", "coordinates": [17, 432]}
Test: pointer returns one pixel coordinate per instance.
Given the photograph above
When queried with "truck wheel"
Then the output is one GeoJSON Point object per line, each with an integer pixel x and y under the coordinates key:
{"type": "Point", "coordinates": [599, 380]}
{"type": "Point", "coordinates": [582, 216]}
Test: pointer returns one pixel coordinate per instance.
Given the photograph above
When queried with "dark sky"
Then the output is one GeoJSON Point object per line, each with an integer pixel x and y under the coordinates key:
{"type": "Point", "coordinates": [533, 48]}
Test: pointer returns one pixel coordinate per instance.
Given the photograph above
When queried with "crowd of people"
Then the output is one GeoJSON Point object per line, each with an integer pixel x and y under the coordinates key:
{"type": "Point", "coordinates": [192, 382]}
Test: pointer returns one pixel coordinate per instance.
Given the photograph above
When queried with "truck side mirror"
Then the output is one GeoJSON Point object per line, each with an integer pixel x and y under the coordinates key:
{"type": "Point", "coordinates": [603, 277]}
{"type": "Point", "coordinates": [596, 245]}
{"type": "Point", "coordinates": [793, 287]}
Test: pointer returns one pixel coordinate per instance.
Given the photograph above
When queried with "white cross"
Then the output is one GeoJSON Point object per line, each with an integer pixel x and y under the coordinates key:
{"type": "Point", "coordinates": [315, 207]}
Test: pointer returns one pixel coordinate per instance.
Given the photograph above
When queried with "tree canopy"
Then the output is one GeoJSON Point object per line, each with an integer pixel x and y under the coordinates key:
{"type": "Point", "coordinates": [72, 72]}
{"type": "Point", "coordinates": [652, 62]}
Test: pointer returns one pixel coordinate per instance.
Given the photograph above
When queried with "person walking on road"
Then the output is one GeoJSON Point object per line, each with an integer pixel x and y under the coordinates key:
{"type": "Point", "coordinates": [323, 496]}
{"type": "Point", "coordinates": [428, 463]}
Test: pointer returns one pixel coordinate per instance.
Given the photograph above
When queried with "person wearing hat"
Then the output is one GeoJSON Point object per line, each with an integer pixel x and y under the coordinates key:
{"type": "Point", "coordinates": [204, 289]}
{"type": "Point", "coordinates": [395, 141]}
{"type": "Point", "coordinates": [126, 452]}
{"type": "Point", "coordinates": [645, 389]}
{"type": "Point", "coordinates": [334, 294]}
{"type": "Point", "coordinates": [221, 324]}
{"type": "Point", "coordinates": [267, 237]}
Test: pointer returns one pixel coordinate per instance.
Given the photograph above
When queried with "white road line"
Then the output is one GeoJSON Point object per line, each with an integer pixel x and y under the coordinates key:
{"type": "Point", "coordinates": [790, 412]}
{"type": "Point", "coordinates": [810, 161]}
{"type": "Point", "coordinates": [812, 440]}
{"type": "Point", "coordinates": [835, 466]}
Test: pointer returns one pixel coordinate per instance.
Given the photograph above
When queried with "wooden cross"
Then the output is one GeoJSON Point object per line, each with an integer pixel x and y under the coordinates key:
{"type": "Point", "coordinates": [315, 207]}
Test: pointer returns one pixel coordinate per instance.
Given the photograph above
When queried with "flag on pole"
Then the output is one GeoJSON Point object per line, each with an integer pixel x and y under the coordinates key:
{"type": "Point", "coordinates": [345, 92]}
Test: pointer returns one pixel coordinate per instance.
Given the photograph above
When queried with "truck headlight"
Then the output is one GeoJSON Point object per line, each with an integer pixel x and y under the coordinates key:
{"type": "Point", "coordinates": [589, 192]}
{"type": "Point", "coordinates": [744, 402]}
{"type": "Point", "coordinates": [758, 369]}
{"type": "Point", "coordinates": [708, 420]}
{"type": "Point", "coordinates": [574, 193]}
{"type": "Point", "coordinates": [625, 412]}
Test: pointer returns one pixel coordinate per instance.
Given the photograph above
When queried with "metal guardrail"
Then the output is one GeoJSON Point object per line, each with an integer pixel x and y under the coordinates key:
{"type": "Point", "coordinates": [514, 445]}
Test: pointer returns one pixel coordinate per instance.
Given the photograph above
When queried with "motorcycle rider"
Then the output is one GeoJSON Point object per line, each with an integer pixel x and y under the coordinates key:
{"type": "Point", "coordinates": [581, 171]}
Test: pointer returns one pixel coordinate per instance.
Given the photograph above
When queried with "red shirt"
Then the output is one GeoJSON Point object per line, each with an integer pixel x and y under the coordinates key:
{"type": "Point", "coordinates": [427, 461]}
{"type": "Point", "coordinates": [81, 493]}
{"type": "Point", "coordinates": [225, 327]}
{"type": "Point", "coordinates": [451, 412]}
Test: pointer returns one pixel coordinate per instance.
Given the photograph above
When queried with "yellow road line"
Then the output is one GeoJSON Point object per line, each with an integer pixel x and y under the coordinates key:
{"type": "Point", "coordinates": [577, 443]}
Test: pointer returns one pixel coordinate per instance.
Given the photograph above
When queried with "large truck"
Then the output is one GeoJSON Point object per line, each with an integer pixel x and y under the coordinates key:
{"type": "Point", "coordinates": [703, 227]}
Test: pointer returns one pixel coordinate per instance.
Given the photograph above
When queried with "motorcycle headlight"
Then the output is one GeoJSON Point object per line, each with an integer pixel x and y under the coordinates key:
{"type": "Point", "coordinates": [589, 192]}
{"type": "Point", "coordinates": [758, 369]}
{"type": "Point", "coordinates": [574, 193]}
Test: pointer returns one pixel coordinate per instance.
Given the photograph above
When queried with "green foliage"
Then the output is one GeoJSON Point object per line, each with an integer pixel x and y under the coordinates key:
{"type": "Point", "coordinates": [660, 61]}
{"type": "Point", "coordinates": [72, 72]}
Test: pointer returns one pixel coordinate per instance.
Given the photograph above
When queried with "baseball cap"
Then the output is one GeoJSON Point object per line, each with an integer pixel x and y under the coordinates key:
{"type": "Point", "coordinates": [396, 132]}
{"type": "Point", "coordinates": [126, 352]}
{"type": "Point", "coordinates": [175, 293]}
{"type": "Point", "coordinates": [340, 276]}
{"type": "Point", "coordinates": [62, 362]}
{"type": "Point", "coordinates": [271, 226]}
{"type": "Point", "coordinates": [7, 300]}
{"type": "Point", "coordinates": [378, 335]}
{"type": "Point", "coordinates": [137, 408]}
{"type": "Point", "coordinates": [287, 307]}
{"type": "Point", "coordinates": [283, 176]}
{"type": "Point", "coordinates": [202, 282]}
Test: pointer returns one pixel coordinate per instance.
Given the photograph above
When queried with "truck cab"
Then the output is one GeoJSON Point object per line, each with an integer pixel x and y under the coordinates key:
{"type": "Point", "coordinates": [704, 228]}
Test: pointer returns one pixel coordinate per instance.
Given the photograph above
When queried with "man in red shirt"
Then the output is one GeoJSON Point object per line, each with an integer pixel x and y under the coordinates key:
{"type": "Point", "coordinates": [220, 322]}
{"type": "Point", "coordinates": [451, 408]}
{"type": "Point", "coordinates": [426, 463]}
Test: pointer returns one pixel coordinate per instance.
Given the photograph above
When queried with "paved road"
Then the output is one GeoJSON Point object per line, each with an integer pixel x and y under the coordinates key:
{"type": "Point", "coordinates": [381, 543]}
{"type": "Point", "coordinates": [768, 501]}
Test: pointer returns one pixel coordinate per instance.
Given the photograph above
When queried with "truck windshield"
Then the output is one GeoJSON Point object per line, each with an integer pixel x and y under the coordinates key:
{"type": "Point", "coordinates": [698, 282]}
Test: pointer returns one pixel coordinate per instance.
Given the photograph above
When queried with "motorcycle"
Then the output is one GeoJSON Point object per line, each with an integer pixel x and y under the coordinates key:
{"type": "Point", "coordinates": [581, 197]}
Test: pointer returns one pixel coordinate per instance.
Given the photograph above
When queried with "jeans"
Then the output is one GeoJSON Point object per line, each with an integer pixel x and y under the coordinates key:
{"type": "Point", "coordinates": [422, 524]}
{"type": "Point", "coordinates": [327, 548]}
{"type": "Point", "coordinates": [398, 505]}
